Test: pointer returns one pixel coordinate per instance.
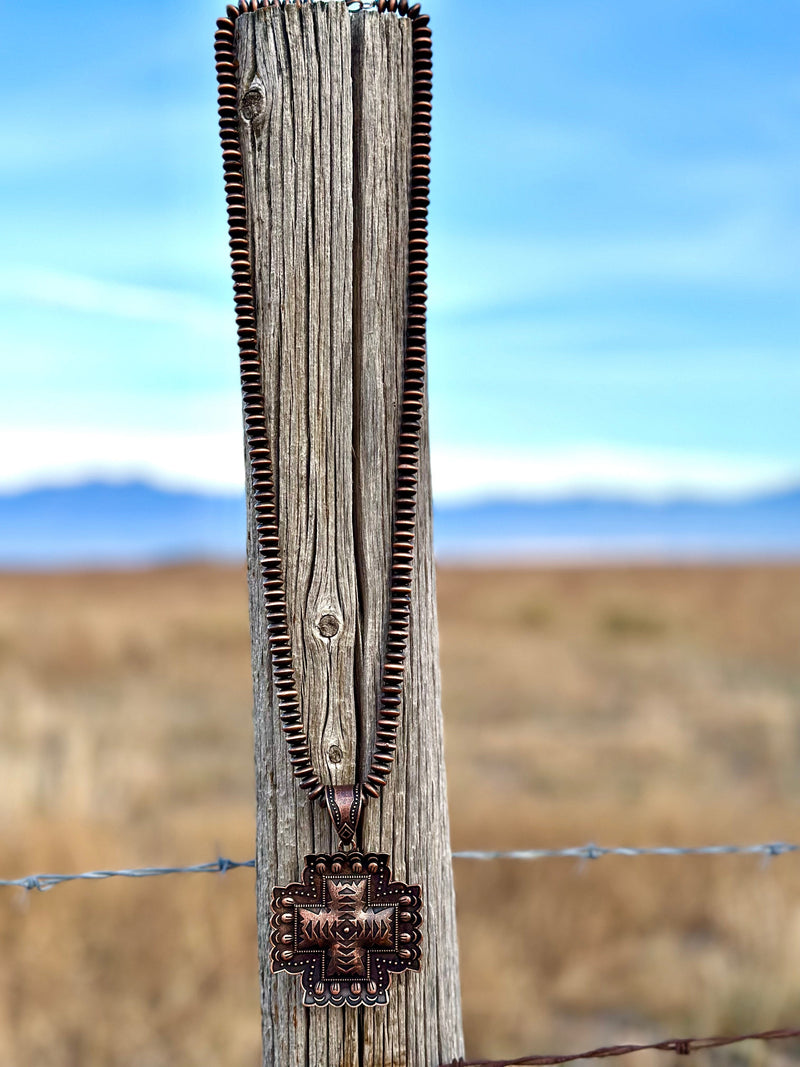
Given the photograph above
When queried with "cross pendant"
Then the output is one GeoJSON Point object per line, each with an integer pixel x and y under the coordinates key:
{"type": "Point", "coordinates": [345, 928]}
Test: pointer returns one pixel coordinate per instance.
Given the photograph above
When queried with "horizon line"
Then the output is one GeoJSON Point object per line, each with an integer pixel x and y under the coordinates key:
{"type": "Point", "coordinates": [619, 493]}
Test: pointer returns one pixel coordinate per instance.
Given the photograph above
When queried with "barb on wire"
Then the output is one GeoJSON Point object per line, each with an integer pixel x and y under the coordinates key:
{"type": "Point", "coordinates": [43, 882]}
{"type": "Point", "coordinates": [682, 1045]}
{"type": "Point", "coordinates": [596, 852]}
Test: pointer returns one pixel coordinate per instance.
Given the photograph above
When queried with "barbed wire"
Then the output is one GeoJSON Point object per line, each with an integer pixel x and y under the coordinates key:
{"type": "Point", "coordinates": [596, 852]}
{"type": "Point", "coordinates": [682, 1045]}
{"type": "Point", "coordinates": [770, 850]}
{"type": "Point", "coordinates": [43, 882]}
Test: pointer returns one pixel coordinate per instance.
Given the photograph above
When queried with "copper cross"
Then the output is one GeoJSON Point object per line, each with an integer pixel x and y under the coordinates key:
{"type": "Point", "coordinates": [345, 928]}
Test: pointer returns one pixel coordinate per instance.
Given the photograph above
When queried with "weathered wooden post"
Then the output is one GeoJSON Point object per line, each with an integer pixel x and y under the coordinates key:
{"type": "Point", "coordinates": [316, 106]}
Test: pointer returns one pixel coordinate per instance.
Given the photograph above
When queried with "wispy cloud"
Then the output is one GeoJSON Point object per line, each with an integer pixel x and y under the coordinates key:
{"type": "Point", "coordinates": [107, 132]}
{"type": "Point", "coordinates": [478, 272]}
{"type": "Point", "coordinates": [97, 297]}
{"type": "Point", "coordinates": [213, 461]}
{"type": "Point", "coordinates": [464, 473]}
{"type": "Point", "coordinates": [181, 458]}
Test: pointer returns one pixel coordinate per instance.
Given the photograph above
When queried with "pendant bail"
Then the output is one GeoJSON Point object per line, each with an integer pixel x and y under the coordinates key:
{"type": "Point", "coordinates": [345, 803]}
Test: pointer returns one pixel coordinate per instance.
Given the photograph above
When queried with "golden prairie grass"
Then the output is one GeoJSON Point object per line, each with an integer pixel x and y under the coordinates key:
{"type": "Point", "coordinates": [624, 706]}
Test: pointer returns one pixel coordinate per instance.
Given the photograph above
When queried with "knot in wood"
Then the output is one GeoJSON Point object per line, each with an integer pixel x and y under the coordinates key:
{"type": "Point", "coordinates": [252, 104]}
{"type": "Point", "coordinates": [328, 625]}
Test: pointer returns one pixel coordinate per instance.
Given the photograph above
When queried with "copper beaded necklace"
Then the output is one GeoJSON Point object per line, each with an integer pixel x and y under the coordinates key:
{"type": "Point", "coordinates": [346, 926]}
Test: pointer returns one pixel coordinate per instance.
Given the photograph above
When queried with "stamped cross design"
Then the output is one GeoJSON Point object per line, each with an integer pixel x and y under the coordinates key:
{"type": "Point", "coordinates": [345, 928]}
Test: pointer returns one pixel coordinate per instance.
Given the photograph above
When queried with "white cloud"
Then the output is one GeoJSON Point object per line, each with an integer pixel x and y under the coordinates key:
{"type": "Point", "coordinates": [470, 473]}
{"type": "Point", "coordinates": [94, 296]}
{"type": "Point", "coordinates": [182, 459]}
{"type": "Point", "coordinates": [475, 272]}
{"type": "Point", "coordinates": [212, 460]}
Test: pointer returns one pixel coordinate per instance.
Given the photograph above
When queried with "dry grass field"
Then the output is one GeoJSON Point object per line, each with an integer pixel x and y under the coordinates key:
{"type": "Point", "coordinates": [635, 706]}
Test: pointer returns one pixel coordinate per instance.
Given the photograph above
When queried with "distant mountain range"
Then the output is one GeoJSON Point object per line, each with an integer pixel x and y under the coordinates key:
{"type": "Point", "coordinates": [100, 524]}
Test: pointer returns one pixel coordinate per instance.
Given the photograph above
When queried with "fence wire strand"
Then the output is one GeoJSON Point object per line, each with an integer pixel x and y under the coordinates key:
{"type": "Point", "coordinates": [44, 882]}
{"type": "Point", "coordinates": [585, 853]}
{"type": "Point", "coordinates": [597, 852]}
{"type": "Point", "coordinates": [682, 1045]}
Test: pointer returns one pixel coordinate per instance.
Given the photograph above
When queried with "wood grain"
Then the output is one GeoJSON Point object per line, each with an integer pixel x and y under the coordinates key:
{"type": "Point", "coordinates": [327, 163]}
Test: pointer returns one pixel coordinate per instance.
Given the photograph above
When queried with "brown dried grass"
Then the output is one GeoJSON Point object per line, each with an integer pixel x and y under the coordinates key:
{"type": "Point", "coordinates": [636, 706]}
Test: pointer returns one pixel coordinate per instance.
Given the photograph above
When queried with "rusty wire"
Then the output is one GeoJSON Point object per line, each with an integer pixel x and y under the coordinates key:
{"type": "Point", "coordinates": [683, 1046]}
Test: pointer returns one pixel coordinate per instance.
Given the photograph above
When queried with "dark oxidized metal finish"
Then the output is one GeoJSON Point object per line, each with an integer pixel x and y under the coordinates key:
{"type": "Point", "coordinates": [345, 805]}
{"type": "Point", "coordinates": [345, 928]}
{"type": "Point", "coordinates": [236, 113]}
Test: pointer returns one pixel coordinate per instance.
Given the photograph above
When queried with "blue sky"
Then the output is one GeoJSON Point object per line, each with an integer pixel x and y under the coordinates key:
{"type": "Point", "coordinates": [615, 247]}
